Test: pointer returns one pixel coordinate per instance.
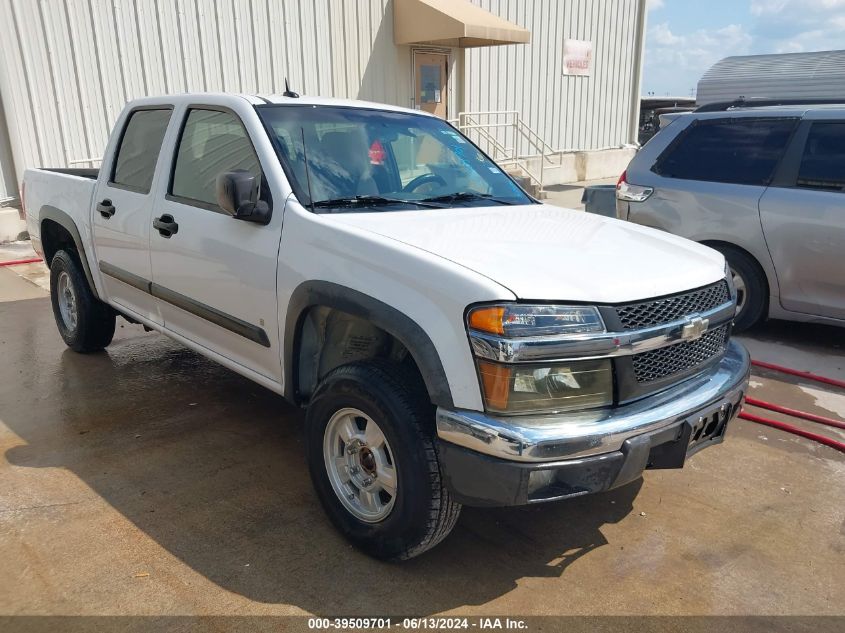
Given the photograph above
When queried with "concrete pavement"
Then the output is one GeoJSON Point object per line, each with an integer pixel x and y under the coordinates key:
{"type": "Point", "coordinates": [148, 480]}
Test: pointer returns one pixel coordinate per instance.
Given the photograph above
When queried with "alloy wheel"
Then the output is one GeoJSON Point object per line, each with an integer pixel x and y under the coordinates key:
{"type": "Point", "coordinates": [66, 296]}
{"type": "Point", "coordinates": [741, 291]}
{"type": "Point", "coordinates": [360, 465]}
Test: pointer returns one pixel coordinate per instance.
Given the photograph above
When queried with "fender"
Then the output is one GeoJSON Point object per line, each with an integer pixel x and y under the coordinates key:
{"type": "Point", "coordinates": [65, 221]}
{"type": "Point", "coordinates": [389, 319]}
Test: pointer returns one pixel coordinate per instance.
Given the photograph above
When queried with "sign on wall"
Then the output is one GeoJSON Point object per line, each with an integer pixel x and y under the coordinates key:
{"type": "Point", "coordinates": [577, 57]}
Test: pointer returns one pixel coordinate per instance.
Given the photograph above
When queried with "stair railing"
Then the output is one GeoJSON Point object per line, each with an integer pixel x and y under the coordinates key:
{"type": "Point", "coordinates": [509, 141]}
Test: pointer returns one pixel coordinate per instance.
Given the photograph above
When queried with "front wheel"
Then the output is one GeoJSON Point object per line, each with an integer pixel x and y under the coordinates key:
{"type": "Point", "coordinates": [85, 323]}
{"type": "Point", "coordinates": [373, 461]}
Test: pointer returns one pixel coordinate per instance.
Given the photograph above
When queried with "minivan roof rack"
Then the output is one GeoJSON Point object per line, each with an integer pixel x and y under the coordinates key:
{"type": "Point", "coordinates": [721, 106]}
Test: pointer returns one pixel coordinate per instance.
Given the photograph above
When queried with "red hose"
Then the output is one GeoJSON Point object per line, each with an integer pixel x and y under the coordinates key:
{"type": "Point", "coordinates": [802, 374]}
{"type": "Point", "coordinates": [16, 262]}
{"type": "Point", "coordinates": [795, 413]}
{"type": "Point", "coordinates": [821, 439]}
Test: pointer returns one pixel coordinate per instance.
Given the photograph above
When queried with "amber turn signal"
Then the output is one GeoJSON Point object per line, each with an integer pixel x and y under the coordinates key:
{"type": "Point", "coordinates": [487, 319]}
{"type": "Point", "coordinates": [496, 380]}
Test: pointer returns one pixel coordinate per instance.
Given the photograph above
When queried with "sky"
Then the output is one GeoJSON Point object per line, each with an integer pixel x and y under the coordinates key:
{"type": "Point", "coordinates": [686, 37]}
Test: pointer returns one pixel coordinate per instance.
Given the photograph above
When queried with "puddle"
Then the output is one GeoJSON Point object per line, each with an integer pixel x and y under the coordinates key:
{"type": "Point", "coordinates": [828, 400]}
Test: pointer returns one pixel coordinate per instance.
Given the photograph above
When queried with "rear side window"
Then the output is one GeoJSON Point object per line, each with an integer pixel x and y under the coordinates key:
{"type": "Point", "coordinates": [823, 161]}
{"type": "Point", "coordinates": [740, 151]}
{"type": "Point", "coordinates": [139, 148]}
{"type": "Point", "coordinates": [212, 142]}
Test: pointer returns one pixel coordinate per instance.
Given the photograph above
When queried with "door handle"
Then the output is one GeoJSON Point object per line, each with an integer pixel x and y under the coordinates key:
{"type": "Point", "coordinates": [106, 208]}
{"type": "Point", "coordinates": [165, 225]}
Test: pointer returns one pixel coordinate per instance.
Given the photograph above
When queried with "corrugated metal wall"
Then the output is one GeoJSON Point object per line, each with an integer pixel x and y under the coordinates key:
{"type": "Point", "coordinates": [567, 112]}
{"type": "Point", "coordinates": [67, 67]}
{"type": "Point", "coordinates": [8, 186]}
{"type": "Point", "coordinates": [786, 76]}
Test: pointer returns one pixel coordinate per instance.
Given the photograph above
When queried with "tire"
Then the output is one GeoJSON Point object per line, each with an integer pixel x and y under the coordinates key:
{"type": "Point", "coordinates": [752, 289]}
{"type": "Point", "coordinates": [421, 512]}
{"type": "Point", "coordinates": [85, 323]}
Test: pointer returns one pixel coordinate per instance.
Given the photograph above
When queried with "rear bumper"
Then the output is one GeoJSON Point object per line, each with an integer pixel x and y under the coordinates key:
{"type": "Point", "coordinates": [489, 461]}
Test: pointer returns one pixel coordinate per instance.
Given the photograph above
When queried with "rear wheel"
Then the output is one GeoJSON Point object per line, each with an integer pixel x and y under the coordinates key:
{"type": "Point", "coordinates": [85, 323]}
{"type": "Point", "coordinates": [373, 461]}
{"type": "Point", "coordinates": [752, 292]}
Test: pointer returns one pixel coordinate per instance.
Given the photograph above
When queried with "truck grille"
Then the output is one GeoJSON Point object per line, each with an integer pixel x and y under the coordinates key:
{"type": "Point", "coordinates": [679, 358]}
{"type": "Point", "coordinates": [648, 313]}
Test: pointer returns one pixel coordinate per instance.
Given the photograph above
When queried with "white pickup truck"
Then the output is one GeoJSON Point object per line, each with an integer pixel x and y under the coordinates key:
{"type": "Point", "coordinates": [454, 340]}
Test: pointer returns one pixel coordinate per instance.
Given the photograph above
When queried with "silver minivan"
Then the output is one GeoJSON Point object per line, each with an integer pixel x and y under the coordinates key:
{"type": "Point", "coordinates": [763, 185]}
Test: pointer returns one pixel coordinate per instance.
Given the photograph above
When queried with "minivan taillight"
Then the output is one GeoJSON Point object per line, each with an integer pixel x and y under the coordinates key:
{"type": "Point", "coordinates": [622, 178]}
{"type": "Point", "coordinates": [631, 193]}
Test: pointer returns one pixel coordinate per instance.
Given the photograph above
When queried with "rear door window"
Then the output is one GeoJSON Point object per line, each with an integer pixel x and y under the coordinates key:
{"type": "Point", "coordinates": [140, 145]}
{"type": "Point", "coordinates": [823, 161]}
{"type": "Point", "coordinates": [742, 151]}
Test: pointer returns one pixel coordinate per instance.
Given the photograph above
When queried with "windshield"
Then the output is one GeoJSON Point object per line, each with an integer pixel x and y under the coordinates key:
{"type": "Point", "coordinates": [362, 159]}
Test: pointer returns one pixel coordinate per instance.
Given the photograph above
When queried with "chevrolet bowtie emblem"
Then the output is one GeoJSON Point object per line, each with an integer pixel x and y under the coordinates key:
{"type": "Point", "coordinates": [694, 328]}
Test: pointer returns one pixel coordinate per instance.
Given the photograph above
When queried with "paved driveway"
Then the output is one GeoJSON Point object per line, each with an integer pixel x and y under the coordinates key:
{"type": "Point", "coordinates": [148, 480]}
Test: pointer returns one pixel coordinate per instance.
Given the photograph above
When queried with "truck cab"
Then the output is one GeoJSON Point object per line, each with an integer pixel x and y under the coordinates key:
{"type": "Point", "coordinates": [453, 340]}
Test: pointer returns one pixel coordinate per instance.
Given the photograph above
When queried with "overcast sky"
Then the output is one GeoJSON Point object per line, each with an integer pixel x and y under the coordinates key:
{"type": "Point", "coordinates": [686, 37]}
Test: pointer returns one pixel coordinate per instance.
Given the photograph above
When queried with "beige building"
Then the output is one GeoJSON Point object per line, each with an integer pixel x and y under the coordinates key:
{"type": "Point", "coordinates": [550, 87]}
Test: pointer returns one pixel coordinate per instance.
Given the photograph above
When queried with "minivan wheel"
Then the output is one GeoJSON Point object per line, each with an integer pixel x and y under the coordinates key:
{"type": "Point", "coordinates": [751, 288]}
{"type": "Point", "coordinates": [373, 460]}
{"type": "Point", "coordinates": [85, 323]}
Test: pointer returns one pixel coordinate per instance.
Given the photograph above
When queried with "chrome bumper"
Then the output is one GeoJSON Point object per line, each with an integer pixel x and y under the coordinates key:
{"type": "Point", "coordinates": [576, 435]}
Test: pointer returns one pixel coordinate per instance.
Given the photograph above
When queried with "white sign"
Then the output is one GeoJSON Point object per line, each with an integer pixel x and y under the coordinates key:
{"type": "Point", "coordinates": [577, 57]}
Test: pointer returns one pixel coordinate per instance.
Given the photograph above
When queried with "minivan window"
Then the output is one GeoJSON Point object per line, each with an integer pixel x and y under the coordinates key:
{"type": "Point", "coordinates": [212, 142]}
{"type": "Point", "coordinates": [823, 161]}
{"type": "Point", "coordinates": [741, 151]}
{"type": "Point", "coordinates": [139, 148]}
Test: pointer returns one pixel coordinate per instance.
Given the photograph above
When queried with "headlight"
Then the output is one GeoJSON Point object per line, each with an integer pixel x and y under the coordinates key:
{"type": "Point", "coordinates": [542, 387]}
{"type": "Point", "coordinates": [546, 387]}
{"type": "Point", "coordinates": [535, 320]}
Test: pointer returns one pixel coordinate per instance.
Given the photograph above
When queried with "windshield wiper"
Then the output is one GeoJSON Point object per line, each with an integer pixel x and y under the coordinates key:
{"type": "Point", "coordinates": [373, 201]}
{"type": "Point", "coordinates": [461, 196]}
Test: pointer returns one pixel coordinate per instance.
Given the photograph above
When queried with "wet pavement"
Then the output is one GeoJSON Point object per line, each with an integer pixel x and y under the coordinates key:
{"type": "Point", "coordinates": [148, 480]}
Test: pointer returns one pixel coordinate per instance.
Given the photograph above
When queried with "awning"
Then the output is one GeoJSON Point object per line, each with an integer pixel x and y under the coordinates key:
{"type": "Point", "coordinates": [452, 23]}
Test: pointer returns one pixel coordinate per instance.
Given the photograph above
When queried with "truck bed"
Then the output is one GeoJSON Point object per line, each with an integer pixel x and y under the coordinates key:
{"type": "Point", "coordinates": [91, 174]}
{"type": "Point", "coordinates": [68, 191]}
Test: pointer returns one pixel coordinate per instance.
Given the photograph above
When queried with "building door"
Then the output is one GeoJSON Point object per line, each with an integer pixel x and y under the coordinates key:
{"type": "Point", "coordinates": [430, 78]}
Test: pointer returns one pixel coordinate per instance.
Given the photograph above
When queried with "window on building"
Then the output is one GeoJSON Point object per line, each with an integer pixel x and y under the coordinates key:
{"type": "Point", "coordinates": [823, 162]}
{"type": "Point", "coordinates": [742, 151]}
{"type": "Point", "coordinates": [212, 142]}
{"type": "Point", "coordinates": [139, 149]}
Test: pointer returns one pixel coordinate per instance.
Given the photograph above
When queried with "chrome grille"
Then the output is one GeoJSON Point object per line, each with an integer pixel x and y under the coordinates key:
{"type": "Point", "coordinates": [648, 313]}
{"type": "Point", "coordinates": [675, 359]}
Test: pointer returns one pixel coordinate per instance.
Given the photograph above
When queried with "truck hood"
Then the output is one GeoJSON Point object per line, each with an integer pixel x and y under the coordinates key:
{"type": "Point", "coordinates": [541, 252]}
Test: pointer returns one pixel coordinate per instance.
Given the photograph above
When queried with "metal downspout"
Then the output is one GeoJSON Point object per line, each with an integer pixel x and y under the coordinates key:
{"type": "Point", "coordinates": [636, 84]}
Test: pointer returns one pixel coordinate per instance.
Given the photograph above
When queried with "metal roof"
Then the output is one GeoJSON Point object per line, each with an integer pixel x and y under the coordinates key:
{"type": "Point", "coordinates": [787, 75]}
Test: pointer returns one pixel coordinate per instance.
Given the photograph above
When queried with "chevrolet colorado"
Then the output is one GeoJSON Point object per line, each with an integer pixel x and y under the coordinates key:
{"type": "Point", "coordinates": [455, 341]}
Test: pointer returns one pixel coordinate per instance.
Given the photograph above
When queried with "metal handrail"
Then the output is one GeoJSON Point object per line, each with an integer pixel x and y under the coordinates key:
{"type": "Point", "coordinates": [492, 128]}
{"type": "Point", "coordinates": [80, 161]}
{"type": "Point", "coordinates": [484, 133]}
{"type": "Point", "coordinates": [540, 144]}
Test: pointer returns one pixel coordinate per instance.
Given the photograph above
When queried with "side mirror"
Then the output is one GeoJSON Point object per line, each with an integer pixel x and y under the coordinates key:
{"type": "Point", "coordinates": [237, 195]}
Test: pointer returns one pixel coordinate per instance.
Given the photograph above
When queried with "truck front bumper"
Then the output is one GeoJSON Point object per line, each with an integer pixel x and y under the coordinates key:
{"type": "Point", "coordinates": [515, 460]}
